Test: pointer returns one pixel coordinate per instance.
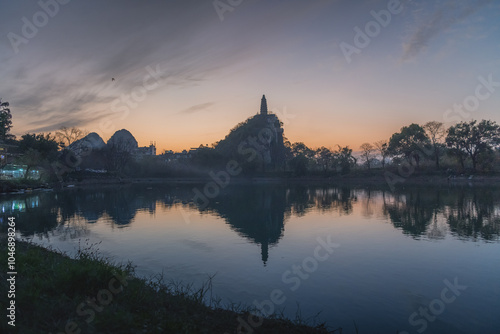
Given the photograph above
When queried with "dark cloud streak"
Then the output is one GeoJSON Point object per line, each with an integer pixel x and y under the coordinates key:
{"type": "Point", "coordinates": [197, 108]}
{"type": "Point", "coordinates": [445, 16]}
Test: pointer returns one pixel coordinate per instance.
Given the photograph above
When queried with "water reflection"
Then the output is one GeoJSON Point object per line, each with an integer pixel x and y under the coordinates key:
{"type": "Point", "coordinates": [469, 213]}
{"type": "Point", "coordinates": [304, 199]}
{"type": "Point", "coordinates": [39, 213]}
{"type": "Point", "coordinates": [259, 213]}
{"type": "Point", "coordinates": [475, 215]}
{"type": "Point", "coordinates": [412, 212]}
{"type": "Point", "coordinates": [256, 213]}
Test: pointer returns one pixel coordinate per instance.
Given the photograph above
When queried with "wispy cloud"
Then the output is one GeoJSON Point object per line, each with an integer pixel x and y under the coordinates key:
{"type": "Point", "coordinates": [445, 15]}
{"type": "Point", "coordinates": [58, 121]}
{"type": "Point", "coordinates": [55, 81]}
{"type": "Point", "coordinates": [196, 108]}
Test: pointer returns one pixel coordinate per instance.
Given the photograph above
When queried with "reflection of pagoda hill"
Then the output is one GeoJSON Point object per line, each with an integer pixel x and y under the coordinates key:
{"type": "Point", "coordinates": [256, 213]}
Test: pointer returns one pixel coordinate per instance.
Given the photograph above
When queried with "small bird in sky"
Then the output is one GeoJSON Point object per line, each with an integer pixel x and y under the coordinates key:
{"type": "Point", "coordinates": [112, 79]}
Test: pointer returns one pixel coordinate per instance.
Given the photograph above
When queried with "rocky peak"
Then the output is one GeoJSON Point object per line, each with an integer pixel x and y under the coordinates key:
{"type": "Point", "coordinates": [123, 140]}
{"type": "Point", "coordinates": [90, 142]}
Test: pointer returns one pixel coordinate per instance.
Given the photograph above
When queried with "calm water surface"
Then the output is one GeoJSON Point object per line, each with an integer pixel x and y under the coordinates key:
{"type": "Point", "coordinates": [395, 253]}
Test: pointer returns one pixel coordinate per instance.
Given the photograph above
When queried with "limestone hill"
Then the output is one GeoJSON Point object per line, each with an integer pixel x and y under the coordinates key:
{"type": "Point", "coordinates": [256, 143]}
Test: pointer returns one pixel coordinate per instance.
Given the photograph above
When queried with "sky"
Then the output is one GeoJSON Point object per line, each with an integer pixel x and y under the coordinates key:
{"type": "Point", "coordinates": [187, 71]}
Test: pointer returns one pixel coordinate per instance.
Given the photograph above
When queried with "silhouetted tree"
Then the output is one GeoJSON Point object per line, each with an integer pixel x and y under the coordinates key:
{"type": "Point", "coordinates": [299, 165]}
{"type": "Point", "coordinates": [302, 149]}
{"type": "Point", "coordinates": [287, 150]}
{"type": "Point", "coordinates": [455, 147]}
{"type": "Point", "coordinates": [409, 143]}
{"type": "Point", "coordinates": [301, 159]}
{"type": "Point", "coordinates": [382, 147]}
{"type": "Point", "coordinates": [344, 159]}
{"type": "Point", "coordinates": [207, 157]}
{"type": "Point", "coordinates": [115, 158]}
{"type": "Point", "coordinates": [37, 150]}
{"type": "Point", "coordinates": [436, 132]}
{"type": "Point", "coordinates": [5, 121]}
{"type": "Point", "coordinates": [324, 157]}
{"type": "Point", "coordinates": [473, 139]}
{"type": "Point", "coordinates": [367, 149]}
{"type": "Point", "coordinates": [67, 136]}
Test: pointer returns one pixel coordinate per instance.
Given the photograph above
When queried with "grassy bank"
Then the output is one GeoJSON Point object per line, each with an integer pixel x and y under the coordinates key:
{"type": "Point", "coordinates": [89, 294]}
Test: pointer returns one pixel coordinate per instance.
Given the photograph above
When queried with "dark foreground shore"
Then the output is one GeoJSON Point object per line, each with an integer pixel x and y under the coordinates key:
{"type": "Point", "coordinates": [57, 294]}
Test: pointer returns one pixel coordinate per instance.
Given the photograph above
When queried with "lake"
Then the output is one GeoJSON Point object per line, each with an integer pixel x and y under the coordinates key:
{"type": "Point", "coordinates": [421, 259]}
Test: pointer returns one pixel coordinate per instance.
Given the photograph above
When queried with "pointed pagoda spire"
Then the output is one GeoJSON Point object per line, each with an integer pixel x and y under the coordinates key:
{"type": "Point", "coordinates": [263, 106]}
{"type": "Point", "coordinates": [264, 252]}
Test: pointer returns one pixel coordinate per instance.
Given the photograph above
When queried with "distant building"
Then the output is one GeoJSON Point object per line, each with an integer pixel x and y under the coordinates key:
{"type": "Point", "coordinates": [10, 206]}
{"type": "Point", "coordinates": [172, 156]}
{"type": "Point", "coordinates": [263, 105]}
{"type": "Point", "coordinates": [12, 172]}
{"type": "Point", "coordinates": [146, 150]}
{"type": "Point", "coordinates": [195, 150]}
{"type": "Point", "coordinates": [3, 155]}
{"type": "Point", "coordinates": [6, 153]}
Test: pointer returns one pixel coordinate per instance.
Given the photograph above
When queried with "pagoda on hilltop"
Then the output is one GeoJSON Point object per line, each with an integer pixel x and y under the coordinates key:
{"type": "Point", "coordinates": [263, 106]}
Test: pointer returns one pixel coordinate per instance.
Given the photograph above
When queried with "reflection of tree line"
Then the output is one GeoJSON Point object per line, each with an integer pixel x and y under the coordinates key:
{"type": "Point", "coordinates": [470, 213]}
{"type": "Point", "coordinates": [31, 219]}
{"type": "Point", "coordinates": [412, 211]}
{"type": "Point", "coordinates": [476, 215]}
{"type": "Point", "coordinates": [55, 208]}
{"type": "Point", "coordinates": [303, 199]}
{"type": "Point", "coordinates": [258, 213]}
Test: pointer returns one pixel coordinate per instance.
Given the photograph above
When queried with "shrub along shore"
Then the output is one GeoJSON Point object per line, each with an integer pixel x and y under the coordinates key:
{"type": "Point", "coordinates": [89, 294]}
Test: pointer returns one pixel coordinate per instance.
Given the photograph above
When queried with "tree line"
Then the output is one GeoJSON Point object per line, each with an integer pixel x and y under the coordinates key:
{"type": "Point", "coordinates": [471, 146]}
{"type": "Point", "coordinates": [32, 149]}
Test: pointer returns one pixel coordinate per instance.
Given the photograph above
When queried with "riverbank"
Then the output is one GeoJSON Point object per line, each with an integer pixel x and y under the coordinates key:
{"type": "Point", "coordinates": [355, 179]}
{"type": "Point", "coordinates": [57, 294]}
{"type": "Point", "coordinates": [378, 179]}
